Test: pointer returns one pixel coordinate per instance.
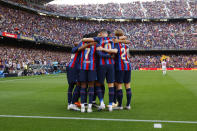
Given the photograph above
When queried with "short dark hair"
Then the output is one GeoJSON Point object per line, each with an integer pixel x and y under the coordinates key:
{"type": "Point", "coordinates": [119, 32]}
{"type": "Point", "coordinates": [103, 31]}
{"type": "Point", "coordinates": [85, 36]}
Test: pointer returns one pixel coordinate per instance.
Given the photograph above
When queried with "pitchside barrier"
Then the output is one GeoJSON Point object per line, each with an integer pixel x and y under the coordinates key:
{"type": "Point", "coordinates": [168, 68]}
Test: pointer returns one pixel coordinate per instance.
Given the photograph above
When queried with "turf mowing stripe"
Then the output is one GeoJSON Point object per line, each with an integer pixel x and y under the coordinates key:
{"type": "Point", "coordinates": [97, 119]}
{"type": "Point", "coordinates": [30, 78]}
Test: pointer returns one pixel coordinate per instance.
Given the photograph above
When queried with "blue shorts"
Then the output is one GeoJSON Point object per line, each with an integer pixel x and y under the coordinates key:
{"type": "Point", "coordinates": [123, 76]}
{"type": "Point", "coordinates": [72, 75]}
{"type": "Point", "coordinates": [87, 75]}
{"type": "Point", "coordinates": [106, 71]}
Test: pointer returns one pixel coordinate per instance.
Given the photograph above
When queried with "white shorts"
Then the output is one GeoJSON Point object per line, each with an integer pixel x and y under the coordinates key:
{"type": "Point", "coordinates": [163, 68]}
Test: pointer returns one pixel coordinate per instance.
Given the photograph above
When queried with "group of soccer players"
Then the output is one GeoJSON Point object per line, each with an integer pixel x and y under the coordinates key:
{"type": "Point", "coordinates": [99, 56]}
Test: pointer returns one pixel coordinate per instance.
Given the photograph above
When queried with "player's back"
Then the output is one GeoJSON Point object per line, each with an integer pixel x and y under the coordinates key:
{"type": "Point", "coordinates": [87, 58]}
{"type": "Point", "coordinates": [122, 61]}
{"type": "Point", "coordinates": [107, 43]}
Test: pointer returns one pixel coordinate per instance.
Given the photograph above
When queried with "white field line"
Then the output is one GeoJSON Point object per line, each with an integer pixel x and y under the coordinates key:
{"type": "Point", "coordinates": [28, 78]}
{"type": "Point", "coordinates": [97, 119]}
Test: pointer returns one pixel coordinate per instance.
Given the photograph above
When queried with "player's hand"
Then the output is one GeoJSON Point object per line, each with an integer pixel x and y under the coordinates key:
{"type": "Point", "coordinates": [99, 48]}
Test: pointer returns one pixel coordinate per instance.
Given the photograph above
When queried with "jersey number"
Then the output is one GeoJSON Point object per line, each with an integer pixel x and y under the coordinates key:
{"type": "Point", "coordinates": [87, 53]}
{"type": "Point", "coordinates": [123, 55]}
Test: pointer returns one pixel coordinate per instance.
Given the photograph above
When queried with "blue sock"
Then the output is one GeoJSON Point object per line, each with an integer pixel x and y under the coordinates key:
{"type": "Point", "coordinates": [86, 96]}
{"type": "Point", "coordinates": [76, 94]}
{"type": "Point", "coordinates": [70, 90]}
{"type": "Point", "coordinates": [111, 95]}
{"type": "Point", "coordinates": [103, 90]}
{"type": "Point", "coordinates": [119, 97]}
{"type": "Point", "coordinates": [83, 95]}
{"type": "Point", "coordinates": [91, 94]}
{"type": "Point", "coordinates": [99, 93]}
{"type": "Point", "coordinates": [115, 95]}
{"type": "Point", "coordinates": [129, 94]}
{"type": "Point", "coordinates": [94, 98]}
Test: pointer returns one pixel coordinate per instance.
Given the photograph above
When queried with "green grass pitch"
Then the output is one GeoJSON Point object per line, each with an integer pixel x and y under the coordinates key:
{"type": "Point", "coordinates": [155, 97]}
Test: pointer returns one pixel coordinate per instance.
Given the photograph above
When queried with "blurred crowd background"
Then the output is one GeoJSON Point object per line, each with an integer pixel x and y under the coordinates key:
{"type": "Point", "coordinates": [143, 35]}
{"type": "Point", "coordinates": [148, 9]}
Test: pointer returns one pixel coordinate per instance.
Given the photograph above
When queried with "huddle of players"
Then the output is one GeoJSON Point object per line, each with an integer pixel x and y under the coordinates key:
{"type": "Point", "coordinates": [96, 58]}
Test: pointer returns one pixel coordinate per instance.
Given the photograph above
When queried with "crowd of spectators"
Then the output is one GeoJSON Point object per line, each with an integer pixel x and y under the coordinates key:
{"type": "Point", "coordinates": [144, 35]}
{"type": "Point", "coordinates": [153, 9]}
{"type": "Point", "coordinates": [14, 60]}
{"type": "Point", "coordinates": [173, 61]}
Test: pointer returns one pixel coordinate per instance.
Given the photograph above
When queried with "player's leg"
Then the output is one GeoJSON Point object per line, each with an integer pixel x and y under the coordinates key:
{"type": "Point", "coordinates": [115, 89]}
{"type": "Point", "coordinates": [119, 79]}
{"type": "Point", "coordinates": [165, 71]}
{"type": "Point", "coordinates": [71, 83]}
{"type": "Point", "coordinates": [127, 80]}
{"type": "Point", "coordinates": [110, 80]}
{"type": "Point", "coordinates": [73, 73]}
{"type": "Point", "coordinates": [94, 98]}
{"type": "Point", "coordinates": [129, 95]}
{"type": "Point", "coordinates": [91, 95]}
{"type": "Point", "coordinates": [115, 93]}
{"type": "Point", "coordinates": [103, 90]}
{"type": "Point", "coordinates": [111, 95]}
{"type": "Point", "coordinates": [76, 94]}
{"type": "Point", "coordinates": [70, 90]}
{"type": "Point", "coordinates": [83, 78]}
{"type": "Point", "coordinates": [75, 97]}
{"type": "Point", "coordinates": [119, 96]}
{"type": "Point", "coordinates": [101, 71]}
{"type": "Point", "coordinates": [83, 95]}
{"type": "Point", "coordinates": [91, 78]}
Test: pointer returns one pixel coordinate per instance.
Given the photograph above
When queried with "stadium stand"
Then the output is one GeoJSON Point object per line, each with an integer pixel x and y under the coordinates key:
{"type": "Point", "coordinates": [35, 61]}
{"type": "Point", "coordinates": [144, 35]}
{"type": "Point", "coordinates": [154, 9]}
{"type": "Point", "coordinates": [154, 61]}
{"type": "Point", "coordinates": [15, 59]}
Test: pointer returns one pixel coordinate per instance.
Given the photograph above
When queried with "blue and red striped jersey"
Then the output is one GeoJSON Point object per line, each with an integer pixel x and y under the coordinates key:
{"type": "Point", "coordinates": [74, 60]}
{"type": "Point", "coordinates": [105, 42]}
{"type": "Point", "coordinates": [75, 57]}
{"type": "Point", "coordinates": [122, 61]}
{"type": "Point", "coordinates": [87, 57]}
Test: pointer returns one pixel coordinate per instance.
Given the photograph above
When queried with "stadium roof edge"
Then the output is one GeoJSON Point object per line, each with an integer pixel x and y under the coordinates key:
{"type": "Point", "coordinates": [120, 19]}
{"type": "Point", "coordinates": [40, 2]}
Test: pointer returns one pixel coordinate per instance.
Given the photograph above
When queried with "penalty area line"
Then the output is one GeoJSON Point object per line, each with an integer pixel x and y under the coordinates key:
{"type": "Point", "coordinates": [98, 119]}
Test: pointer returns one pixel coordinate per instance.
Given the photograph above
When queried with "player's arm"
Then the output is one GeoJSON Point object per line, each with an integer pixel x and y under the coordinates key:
{"type": "Point", "coordinates": [86, 45]}
{"type": "Point", "coordinates": [121, 41]}
{"type": "Point", "coordinates": [76, 46]}
{"type": "Point", "coordinates": [122, 37]}
{"type": "Point", "coordinates": [111, 51]}
{"type": "Point", "coordinates": [75, 49]}
{"type": "Point", "coordinates": [88, 40]}
{"type": "Point", "coordinates": [103, 55]}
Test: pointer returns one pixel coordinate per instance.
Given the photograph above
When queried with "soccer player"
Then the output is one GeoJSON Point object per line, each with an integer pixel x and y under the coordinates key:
{"type": "Point", "coordinates": [72, 73]}
{"type": "Point", "coordinates": [105, 66]}
{"type": "Point", "coordinates": [163, 63]}
{"type": "Point", "coordinates": [87, 74]}
{"type": "Point", "coordinates": [123, 71]}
